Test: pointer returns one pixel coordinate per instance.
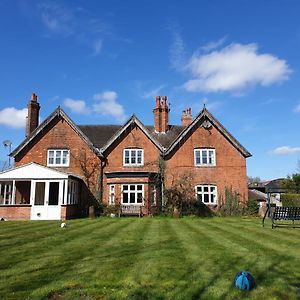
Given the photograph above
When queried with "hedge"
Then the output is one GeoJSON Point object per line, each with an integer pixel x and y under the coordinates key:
{"type": "Point", "coordinates": [290, 199]}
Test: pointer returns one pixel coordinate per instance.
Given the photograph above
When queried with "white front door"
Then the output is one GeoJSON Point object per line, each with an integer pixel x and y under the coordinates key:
{"type": "Point", "coordinates": [46, 199]}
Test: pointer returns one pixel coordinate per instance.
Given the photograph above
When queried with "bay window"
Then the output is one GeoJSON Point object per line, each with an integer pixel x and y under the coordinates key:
{"type": "Point", "coordinates": [132, 194]}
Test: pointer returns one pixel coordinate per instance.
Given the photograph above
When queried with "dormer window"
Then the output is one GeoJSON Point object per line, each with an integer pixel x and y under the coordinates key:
{"type": "Point", "coordinates": [133, 157]}
{"type": "Point", "coordinates": [205, 157]}
{"type": "Point", "coordinates": [58, 158]}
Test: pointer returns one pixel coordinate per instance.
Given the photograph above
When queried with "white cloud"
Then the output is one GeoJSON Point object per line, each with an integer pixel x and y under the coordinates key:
{"type": "Point", "coordinates": [214, 44]}
{"type": "Point", "coordinates": [234, 68]}
{"type": "Point", "coordinates": [154, 92]}
{"type": "Point", "coordinates": [14, 118]}
{"type": "Point", "coordinates": [77, 106]}
{"type": "Point", "coordinates": [107, 105]}
{"type": "Point", "coordinates": [97, 47]}
{"type": "Point", "coordinates": [297, 108]}
{"type": "Point", "coordinates": [56, 18]}
{"type": "Point", "coordinates": [177, 51]}
{"type": "Point", "coordinates": [284, 150]}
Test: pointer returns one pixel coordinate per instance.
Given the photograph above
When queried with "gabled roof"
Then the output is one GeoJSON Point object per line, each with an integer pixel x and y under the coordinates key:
{"type": "Point", "coordinates": [33, 171]}
{"type": "Point", "coordinates": [203, 116]}
{"type": "Point", "coordinates": [133, 120]}
{"type": "Point", "coordinates": [58, 113]}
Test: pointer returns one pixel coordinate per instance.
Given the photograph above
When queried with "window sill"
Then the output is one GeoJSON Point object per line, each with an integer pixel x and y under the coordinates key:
{"type": "Point", "coordinates": [205, 166]}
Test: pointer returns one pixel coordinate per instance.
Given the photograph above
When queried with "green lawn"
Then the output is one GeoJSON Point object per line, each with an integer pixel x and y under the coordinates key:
{"type": "Point", "coordinates": [147, 258]}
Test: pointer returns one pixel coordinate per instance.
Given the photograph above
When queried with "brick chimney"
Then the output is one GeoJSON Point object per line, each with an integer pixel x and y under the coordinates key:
{"type": "Point", "coordinates": [186, 118]}
{"type": "Point", "coordinates": [157, 113]}
{"type": "Point", "coordinates": [164, 115]}
{"type": "Point", "coordinates": [161, 114]}
{"type": "Point", "coordinates": [33, 114]}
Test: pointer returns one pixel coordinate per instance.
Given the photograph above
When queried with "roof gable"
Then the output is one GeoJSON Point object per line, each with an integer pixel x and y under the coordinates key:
{"type": "Point", "coordinates": [203, 116]}
{"type": "Point", "coordinates": [58, 113]}
{"type": "Point", "coordinates": [33, 171]}
{"type": "Point", "coordinates": [132, 121]}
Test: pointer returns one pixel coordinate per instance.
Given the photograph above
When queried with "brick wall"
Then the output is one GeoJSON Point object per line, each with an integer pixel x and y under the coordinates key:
{"type": "Point", "coordinates": [59, 134]}
{"type": "Point", "coordinates": [135, 139]}
{"type": "Point", "coordinates": [230, 169]}
{"type": "Point", "coordinates": [15, 212]}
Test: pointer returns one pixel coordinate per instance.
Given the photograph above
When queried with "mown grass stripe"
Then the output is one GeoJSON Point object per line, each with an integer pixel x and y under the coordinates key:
{"type": "Point", "coordinates": [148, 258]}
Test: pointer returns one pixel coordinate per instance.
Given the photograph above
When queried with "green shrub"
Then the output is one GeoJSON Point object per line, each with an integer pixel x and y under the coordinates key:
{"type": "Point", "coordinates": [290, 199]}
{"type": "Point", "coordinates": [252, 207]}
{"type": "Point", "coordinates": [111, 209]}
{"type": "Point", "coordinates": [232, 206]}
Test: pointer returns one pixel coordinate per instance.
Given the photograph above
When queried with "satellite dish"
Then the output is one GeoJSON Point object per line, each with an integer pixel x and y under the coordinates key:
{"type": "Point", "coordinates": [206, 124]}
{"type": "Point", "coordinates": [7, 143]}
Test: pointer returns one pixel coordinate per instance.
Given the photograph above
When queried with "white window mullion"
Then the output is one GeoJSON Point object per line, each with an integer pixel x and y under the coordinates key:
{"type": "Point", "coordinates": [133, 157]}
{"type": "Point", "coordinates": [209, 154]}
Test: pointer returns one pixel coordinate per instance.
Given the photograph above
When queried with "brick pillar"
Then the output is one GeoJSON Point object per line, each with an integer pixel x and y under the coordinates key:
{"type": "Point", "coordinates": [33, 115]}
{"type": "Point", "coordinates": [164, 115]}
{"type": "Point", "coordinates": [157, 115]}
{"type": "Point", "coordinates": [186, 118]}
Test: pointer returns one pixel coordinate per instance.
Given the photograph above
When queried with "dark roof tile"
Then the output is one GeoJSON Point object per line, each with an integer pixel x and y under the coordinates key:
{"type": "Point", "coordinates": [100, 134]}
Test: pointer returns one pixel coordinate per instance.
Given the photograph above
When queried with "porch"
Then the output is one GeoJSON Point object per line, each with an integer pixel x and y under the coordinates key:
{"type": "Point", "coordinates": [35, 192]}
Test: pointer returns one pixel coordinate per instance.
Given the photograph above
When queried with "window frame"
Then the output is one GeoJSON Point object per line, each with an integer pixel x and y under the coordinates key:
{"type": "Point", "coordinates": [153, 195]}
{"type": "Point", "coordinates": [55, 157]}
{"type": "Point", "coordinates": [209, 193]}
{"type": "Point", "coordinates": [130, 157]}
{"type": "Point", "coordinates": [135, 192]}
{"type": "Point", "coordinates": [200, 156]}
{"type": "Point", "coordinates": [112, 194]}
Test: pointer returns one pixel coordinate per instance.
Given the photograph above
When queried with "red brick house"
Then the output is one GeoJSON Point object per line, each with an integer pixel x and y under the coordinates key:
{"type": "Point", "coordinates": [61, 167]}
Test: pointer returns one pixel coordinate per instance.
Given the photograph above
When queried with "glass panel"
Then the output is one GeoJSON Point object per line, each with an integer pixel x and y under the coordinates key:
{"type": "Point", "coordinates": [133, 156]}
{"type": "Point", "coordinates": [199, 189]}
{"type": "Point", "coordinates": [39, 193]}
{"type": "Point", "coordinates": [1, 193]}
{"type": "Point", "coordinates": [125, 198]}
{"type": "Point", "coordinates": [139, 187]}
{"type": "Point", "coordinates": [132, 187]}
{"type": "Point", "coordinates": [53, 193]}
{"type": "Point", "coordinates": [51, 157]}
{"type": "Point", "coordinates": [126, 156]}
{"type": "Point", "coordinates": [139, 198]}
{"type": "Point", "coordinates": [139, 156]}
{"type": "Point", "coordinates": [204, 157]}
{"type": "Point", "coordinates": [211, 157]}
{"type": "Point", "coordinates": [125, 187]}
{"type": "Point", "coordinates": [212, 188]}
{"type": "Point", "coordinates": [132, 197]}
{"type": "Point", "coordinates": [65, 157]}
{"type": "Point", "coordinates": [205, 188]}
{"type": "Point", "coordinates": [58, 157]}
{"type": "Point", "coordinates": [212, 198]}
{"type": "Point", "coordinates": [197, 156]}
{"type": "Point", "coordinates": [206, 198]}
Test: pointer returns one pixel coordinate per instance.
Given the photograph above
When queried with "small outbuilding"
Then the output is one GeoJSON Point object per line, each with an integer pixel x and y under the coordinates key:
{"type": "Point", "coordinates": [35, 192]}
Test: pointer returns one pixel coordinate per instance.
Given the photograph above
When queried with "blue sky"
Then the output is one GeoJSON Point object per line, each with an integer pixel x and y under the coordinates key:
{"type": "Point", "coordinates": [102, 61]}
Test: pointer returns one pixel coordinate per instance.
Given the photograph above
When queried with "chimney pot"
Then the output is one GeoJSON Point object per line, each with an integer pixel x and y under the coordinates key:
{"type": "Point", "coordinates": [157, 101]}
{"type": "Point", "coordinates": [164, 101]}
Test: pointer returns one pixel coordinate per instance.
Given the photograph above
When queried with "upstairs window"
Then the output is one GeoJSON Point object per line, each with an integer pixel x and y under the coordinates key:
{"type": "Point", "coordinates": [58, 158]}
{"type": "Point", "coordinates": [205, 157]}
{"type": "Point", "coordinates": [206, 194]}
{"type": "Point", "coordinates": [133, 157]}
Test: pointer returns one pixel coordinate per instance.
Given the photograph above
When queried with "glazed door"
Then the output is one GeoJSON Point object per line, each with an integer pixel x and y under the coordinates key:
{"type": "Point", "coordinates": [46, 200]}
